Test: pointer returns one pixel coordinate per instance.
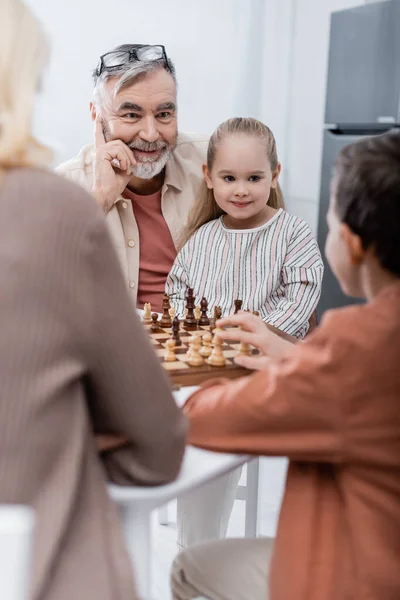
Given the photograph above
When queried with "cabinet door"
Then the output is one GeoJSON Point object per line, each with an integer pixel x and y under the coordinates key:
{"type": "Point", "coordinates": [363, 72]}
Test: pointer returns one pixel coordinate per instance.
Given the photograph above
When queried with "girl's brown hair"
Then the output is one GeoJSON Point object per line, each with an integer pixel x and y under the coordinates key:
{"type": "Point", "coordinates": [206, 209]}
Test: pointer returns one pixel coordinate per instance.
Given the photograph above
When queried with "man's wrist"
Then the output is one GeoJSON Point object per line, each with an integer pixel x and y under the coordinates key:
{"type": "Point", "coordinates": [104, 200]}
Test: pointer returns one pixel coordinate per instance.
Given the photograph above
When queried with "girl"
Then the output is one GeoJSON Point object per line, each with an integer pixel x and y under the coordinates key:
{"type": "Point", "coordinates": [240, 243]}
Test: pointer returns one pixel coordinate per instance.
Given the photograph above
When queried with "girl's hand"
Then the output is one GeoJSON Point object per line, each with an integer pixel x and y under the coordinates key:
{"type": "Point", "coordinates": [254, 331]}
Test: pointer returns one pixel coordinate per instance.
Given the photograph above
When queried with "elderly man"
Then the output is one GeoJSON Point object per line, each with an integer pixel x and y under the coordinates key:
{"type": "Point", "coordinates": [146, 176]}
{"type": "Point", "coordinates": [143, 173]}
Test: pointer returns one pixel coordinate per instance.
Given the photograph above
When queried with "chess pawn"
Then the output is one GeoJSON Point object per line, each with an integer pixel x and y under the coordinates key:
{"type": "Point", "coordinates": [195, 359]}
{"type": "Point", "coordinates": [206, 349]}
{"type": "Point", "coordinates": [238, 306]}
{"type": "Point", "coordinates": [170, 355]}
{"type": "Point", "coordinates": [155, 326]}
{"type": "Point", "coordinates": [147, 313]}
{"type": "Point", "coordinates": [244, 349]}
{"type": "Point", "coordinates": [217, 358]}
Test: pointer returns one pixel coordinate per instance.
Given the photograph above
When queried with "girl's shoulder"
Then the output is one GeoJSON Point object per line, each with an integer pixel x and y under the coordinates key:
{"type": "Point", "coordinates": [203, 231]}
{"type": "Point", "coordinates": [293, 223]}
{"type": "Point", "coordinates": [201, 235]}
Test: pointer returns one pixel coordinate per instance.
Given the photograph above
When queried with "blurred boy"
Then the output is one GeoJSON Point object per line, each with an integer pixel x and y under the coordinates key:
{"type": "Point", "coordinates": [332, 405]}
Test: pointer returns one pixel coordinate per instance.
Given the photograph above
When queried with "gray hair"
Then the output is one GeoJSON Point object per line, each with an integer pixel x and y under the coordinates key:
{"type": "Point", "coordinates": [129, 72]}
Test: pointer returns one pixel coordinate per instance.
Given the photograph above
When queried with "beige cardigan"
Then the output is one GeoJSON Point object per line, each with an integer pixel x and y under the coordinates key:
{"type": "Point", "coordinates": [183, 179]}
{"type": "Point", "coordinates": [74, 360]}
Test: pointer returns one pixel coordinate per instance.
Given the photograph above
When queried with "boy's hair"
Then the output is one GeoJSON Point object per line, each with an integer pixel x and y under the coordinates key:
{"type": "Point", "coordinates": [367, 195]}
{"type": "Point", "coordinates": [205, 208]}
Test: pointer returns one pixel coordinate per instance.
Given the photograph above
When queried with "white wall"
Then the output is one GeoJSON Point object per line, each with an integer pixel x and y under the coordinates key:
{"type": "Point", "coordinates": [207, 40]}
{"type": "Point", "coordinates": [300, 69]}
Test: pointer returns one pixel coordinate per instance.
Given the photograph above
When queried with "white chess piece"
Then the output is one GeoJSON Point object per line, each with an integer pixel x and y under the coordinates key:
{"type": "Point", "coordinates": [195, 359]}
{"type": "Point", "coordinates": [170, 355]}
{"type": "Point", "coordinates": [206, 348]}
{"type": "Point", "coordinates": [147, 312]}
{"type": "Point", "coordinates": [217, 358]}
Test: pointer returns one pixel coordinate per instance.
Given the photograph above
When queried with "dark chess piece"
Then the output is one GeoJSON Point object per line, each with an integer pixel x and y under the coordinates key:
{"type": "Point", "coordinates": [165, 319]}
{"type": "Point", "coordinates": [204, 320]}
{"type": "Point", "coordinates": [190, 321]}
{"type": "Point", "coordinates": [175, 332]}
{"type": "Point", "coordinates": [238, 306]}
{"type": "Point", "coordinates": [155, 326]}
{"type": "Point", "coordinates": [217, 314]}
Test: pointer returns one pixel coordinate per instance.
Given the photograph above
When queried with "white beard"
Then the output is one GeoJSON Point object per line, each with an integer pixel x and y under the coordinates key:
{"type": "Point", "coordinates": [149, 168]}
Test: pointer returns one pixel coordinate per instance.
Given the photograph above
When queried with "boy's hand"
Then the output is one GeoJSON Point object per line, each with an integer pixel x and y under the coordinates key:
{"type": "Point", "coordinates": [255, 332]}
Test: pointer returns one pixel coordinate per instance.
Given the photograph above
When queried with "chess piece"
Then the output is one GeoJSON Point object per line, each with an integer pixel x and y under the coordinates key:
{"type": "Point", "coordinates": [190, 320]}
{"type": "Point", "coordinates": [197, 313]}
{"type": "Point", "coordinates": [147, 313]}
{"type": "Point", "coordinates": [217, 358]}
{"type": "Point", "coordinates": [204, 320]}
{"type": "Point", "coordinates": [195, 359]}
{"type": "Point", "coordinates": [172, 313]}
{"type": "Point", "coordinates": [217, 313]}
{"type": "Point", "coordinates": [170, 355]}
{"type": "Point", "coordinates": [165, 319]}
{"type": "Point", "coordinates": [244, 349]}
{"type": "Point", "coordinates": [238, 306]}
{"type": "Point", "coordinates": [155, 326]}
{"type": "Point", "coordinates": [175, 332]}
{"type": "Point", "coordinates": [206, 349]}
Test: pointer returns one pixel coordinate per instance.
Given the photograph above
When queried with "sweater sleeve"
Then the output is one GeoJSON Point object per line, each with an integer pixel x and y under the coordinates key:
{"type": "Point", "coordinates": [294, 408]}
{"type": "Point", "coordinates": [301, 280]}
{"type": "Point", "coordinates": [129, 393]}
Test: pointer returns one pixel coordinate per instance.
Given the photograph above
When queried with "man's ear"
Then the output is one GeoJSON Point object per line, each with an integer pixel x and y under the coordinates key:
{"type": "Point", "coordinates": [275, 176]}
{"type": "Point", "coordinates": [93, 113]}
{"type": "Point", "coordinates": [207, 177]}
{"type": "Point", "coordinates": [353, 244]}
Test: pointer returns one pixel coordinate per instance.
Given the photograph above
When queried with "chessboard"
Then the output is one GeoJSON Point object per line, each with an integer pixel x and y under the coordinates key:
{"type": "Point", "coordinates": [179, 371]}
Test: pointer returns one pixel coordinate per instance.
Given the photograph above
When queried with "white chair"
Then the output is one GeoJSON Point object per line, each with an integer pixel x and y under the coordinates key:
{"type": "Point", "coordinates": [16, 533]}
{"type": "Point", "coordinates": [248, 493]}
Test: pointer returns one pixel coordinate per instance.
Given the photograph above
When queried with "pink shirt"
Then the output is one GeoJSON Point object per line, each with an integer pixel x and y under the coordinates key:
{"type": "Point", "coordinates": [157, 249]}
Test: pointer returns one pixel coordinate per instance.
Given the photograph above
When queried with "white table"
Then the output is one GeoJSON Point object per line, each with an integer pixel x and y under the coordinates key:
{"type": "Point", "coordinates": [137, 503]}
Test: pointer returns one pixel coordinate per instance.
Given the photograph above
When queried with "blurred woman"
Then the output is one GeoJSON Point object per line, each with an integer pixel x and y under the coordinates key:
{"type": "Point", "coordinates": [74, 360]}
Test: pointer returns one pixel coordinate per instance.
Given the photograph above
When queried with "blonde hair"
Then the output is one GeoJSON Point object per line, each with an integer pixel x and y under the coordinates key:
{"type": "Point", "coordinates": [23, 53]}
{"type": "Point", "coordinates": [206, 209]}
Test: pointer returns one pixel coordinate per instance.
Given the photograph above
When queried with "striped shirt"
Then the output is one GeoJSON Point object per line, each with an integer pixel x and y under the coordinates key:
{"type": "Point", "coordinates": [275, 269]}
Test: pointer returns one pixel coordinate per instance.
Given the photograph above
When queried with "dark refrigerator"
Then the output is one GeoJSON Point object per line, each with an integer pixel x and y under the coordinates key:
{"type": "Point", "coordinates": [362, 99]}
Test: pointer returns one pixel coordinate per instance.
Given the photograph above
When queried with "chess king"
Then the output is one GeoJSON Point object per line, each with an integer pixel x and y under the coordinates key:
{"type": "Point", "coordinates": [143, 172]}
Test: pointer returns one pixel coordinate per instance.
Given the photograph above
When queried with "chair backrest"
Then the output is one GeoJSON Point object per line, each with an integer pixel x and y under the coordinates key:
{"type": "Point", "coordinates": [16, 533]}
